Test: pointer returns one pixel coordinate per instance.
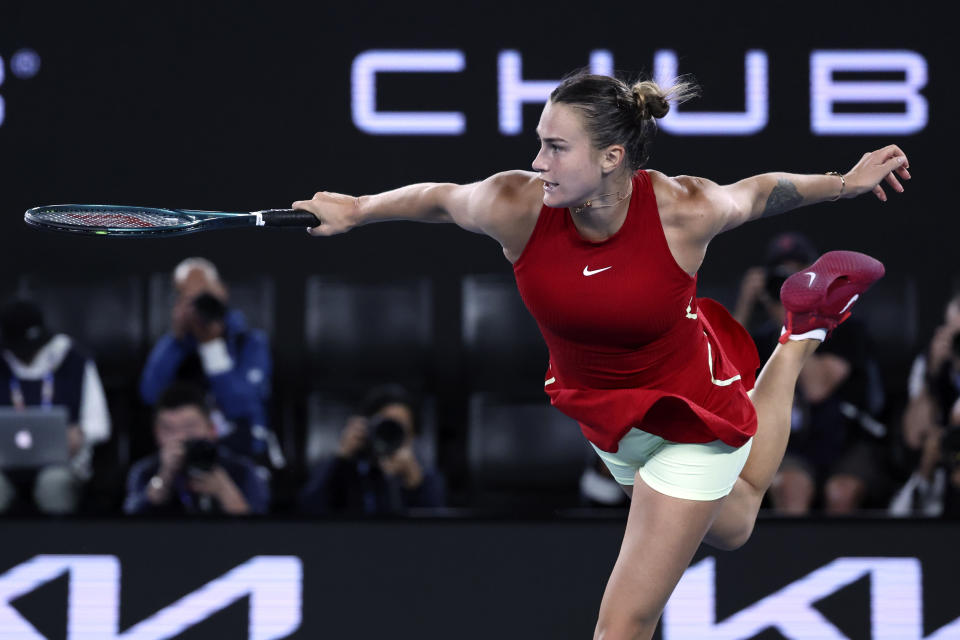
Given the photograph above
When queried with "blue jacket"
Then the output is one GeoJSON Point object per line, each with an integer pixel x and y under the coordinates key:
{"type": "Point", "coordinates": [241, 392]}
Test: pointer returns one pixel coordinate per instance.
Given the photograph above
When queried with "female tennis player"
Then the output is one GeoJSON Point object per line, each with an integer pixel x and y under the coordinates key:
{"type": "Point", "coordinates": [662, 383]}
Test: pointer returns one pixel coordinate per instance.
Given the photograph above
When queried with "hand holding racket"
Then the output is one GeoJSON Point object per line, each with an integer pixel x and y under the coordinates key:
{"type": "Point", "coordinates": [339, 212]}
{"type": "Point", "coordinates": [113, 220]}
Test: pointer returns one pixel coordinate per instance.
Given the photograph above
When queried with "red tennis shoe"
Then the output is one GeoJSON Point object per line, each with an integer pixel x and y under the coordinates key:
{"type": "Point", "coordinates": [819, 298]}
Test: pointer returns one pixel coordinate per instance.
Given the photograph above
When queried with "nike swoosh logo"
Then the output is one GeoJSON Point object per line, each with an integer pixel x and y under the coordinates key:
{"type": "Point", "coordinates": [852, 300]}
{"type": "Point", "coordinates": [587, 272]}
{"type": "Point", "coordinates": [813, 277]}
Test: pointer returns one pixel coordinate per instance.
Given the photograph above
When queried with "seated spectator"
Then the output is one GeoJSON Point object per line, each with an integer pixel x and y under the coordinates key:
{"type": "Point", "coordinates": [210, 344]}
{"type": "Point", "coordinates": [933, 409]}
{"type": "Point", "coordinates": [834, 457]}
{"type": "Point", "coordinates": [191, 473]}
{"type": "Point", "coordinates": [43, 370]}
{"type": "Point", "coordinates": [935, 377]}
{"type": "Point", "coordinates": [934, 488]}
{"type": "Point", "coordinates": [375, 470]}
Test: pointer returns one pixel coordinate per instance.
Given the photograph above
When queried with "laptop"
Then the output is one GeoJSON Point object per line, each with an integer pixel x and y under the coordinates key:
{"type": "Point", "coordinates": [33, 437]}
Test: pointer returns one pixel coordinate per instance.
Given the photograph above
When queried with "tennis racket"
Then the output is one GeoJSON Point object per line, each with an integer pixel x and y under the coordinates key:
{"type": "Point", "coordinates": [112, 220]}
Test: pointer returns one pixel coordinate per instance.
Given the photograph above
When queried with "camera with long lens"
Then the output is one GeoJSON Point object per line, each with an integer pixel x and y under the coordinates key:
{"type": "Point", "coordinates": [386, 437]}
{"type": "Point", "coordinates": [199, 455]}
{"type": "Point", "coordinates": [209, 308]}
{"type": "Point", "coordinates": [775, 277]}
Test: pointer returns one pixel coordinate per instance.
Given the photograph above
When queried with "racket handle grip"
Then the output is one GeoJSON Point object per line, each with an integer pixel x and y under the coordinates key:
{"type": "Point", "coordinates": [288, 218]}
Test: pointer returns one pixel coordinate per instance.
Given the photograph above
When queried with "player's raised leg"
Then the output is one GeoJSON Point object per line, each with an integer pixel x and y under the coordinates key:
{"type": "Point", "coordinates": [816, 299]}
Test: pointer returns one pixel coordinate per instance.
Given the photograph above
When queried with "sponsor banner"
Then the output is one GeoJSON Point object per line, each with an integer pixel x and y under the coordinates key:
{"type": "Point", "coordinates": [148, 580]}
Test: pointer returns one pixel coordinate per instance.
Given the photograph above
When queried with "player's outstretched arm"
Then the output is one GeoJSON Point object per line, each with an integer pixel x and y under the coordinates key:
{"type": "Point", "coordinates": [504, 207]}
{"type": "Point", "coordinates": [710, 208]}
{"type": "Point", "coordinates": [489, 207]}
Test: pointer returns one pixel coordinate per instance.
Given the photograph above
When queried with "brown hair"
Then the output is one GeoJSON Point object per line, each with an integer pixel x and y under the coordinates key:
{"type": "Point", "coordinates": [615, 112]}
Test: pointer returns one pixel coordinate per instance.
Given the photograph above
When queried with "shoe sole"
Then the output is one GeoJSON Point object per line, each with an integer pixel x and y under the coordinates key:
{"type": "Point", "coordinates": [802, 293]}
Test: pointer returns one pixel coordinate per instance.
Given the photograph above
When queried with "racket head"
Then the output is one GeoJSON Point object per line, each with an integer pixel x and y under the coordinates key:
{"type": "Point", "coordinates": [112, 220]}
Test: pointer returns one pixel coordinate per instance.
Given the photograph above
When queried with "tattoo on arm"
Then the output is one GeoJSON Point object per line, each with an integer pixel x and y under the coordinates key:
{"type": "Point", "coordinates": [784, 197]}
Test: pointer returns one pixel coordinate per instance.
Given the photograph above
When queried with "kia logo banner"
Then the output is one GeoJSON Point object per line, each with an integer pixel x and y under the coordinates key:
{"type": "Point", "coordinates": [151, 580]}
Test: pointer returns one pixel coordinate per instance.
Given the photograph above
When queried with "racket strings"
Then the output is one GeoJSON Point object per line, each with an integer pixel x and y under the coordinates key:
{"type": "Point", "coordinates": [131, 219]}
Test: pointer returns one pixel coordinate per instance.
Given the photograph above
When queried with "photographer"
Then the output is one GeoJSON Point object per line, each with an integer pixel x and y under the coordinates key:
{"type": "Point", "coordinates": [934, 488]}
{"type": "Point", "coordinates": [375, 470]}
{"type": "Point", "coordinates": [759, 299]}
{"type": "Point", "coordinates": [210, 344]}
{"type": "Point", "coordinates": [934, 405]}
{"type": "Point", "coordinates": [935, 378]}
{"type": "Point", "coordinates": [191, 473]}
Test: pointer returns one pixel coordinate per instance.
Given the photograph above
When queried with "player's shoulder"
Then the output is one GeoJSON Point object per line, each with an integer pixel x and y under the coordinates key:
{"type": "Point", "coordinates": [679, 197]}
{"type": "Point", "coordinates": [510, 205]}
{"type": "Point", "coordinates": [516, 184]}
{"type": "Point", "coordinates": [514, 191]}
{"type": "Point", "coordinates": [680, 187]}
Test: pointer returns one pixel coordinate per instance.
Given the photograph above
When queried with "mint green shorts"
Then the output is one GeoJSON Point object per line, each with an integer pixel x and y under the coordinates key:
{"type": "Point", "coordinates": [704, 471]}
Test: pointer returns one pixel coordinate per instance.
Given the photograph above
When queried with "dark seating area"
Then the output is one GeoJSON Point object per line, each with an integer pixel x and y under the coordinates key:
{"type": "Point", "coordinates": [523, 452]}
{"type": "Point", "coordinates": [499, 440]}
{"type": "Point", "coordinates": [361, 333]}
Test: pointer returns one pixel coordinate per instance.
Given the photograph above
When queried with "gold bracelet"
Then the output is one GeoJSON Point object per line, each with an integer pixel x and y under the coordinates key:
{"type": "Point", "coordinates": [843, 184]}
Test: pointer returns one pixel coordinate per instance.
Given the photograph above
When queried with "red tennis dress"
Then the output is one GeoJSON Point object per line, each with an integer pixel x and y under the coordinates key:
{"type": "Point", "coordinates": [630, 343]}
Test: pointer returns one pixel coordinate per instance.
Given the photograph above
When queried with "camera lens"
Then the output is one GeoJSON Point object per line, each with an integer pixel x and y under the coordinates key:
{"type": "Point", "coordinates": [199, 455]}
{"type": "Point", "coordinates": [209, 307]}
{"type": "Point", "coordinates": [775, 279]}
{"type": "Point", "coordinates": [387, 436]}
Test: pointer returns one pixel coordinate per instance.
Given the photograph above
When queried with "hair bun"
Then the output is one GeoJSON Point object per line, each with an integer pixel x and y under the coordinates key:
{"type": "Point", "coordinates": [650, 99]}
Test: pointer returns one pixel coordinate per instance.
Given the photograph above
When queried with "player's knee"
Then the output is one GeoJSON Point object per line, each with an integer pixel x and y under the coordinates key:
{"type": "Point", "coordinates": [734, 538]}
{"type": "Point", "coordinates": [740, 537]}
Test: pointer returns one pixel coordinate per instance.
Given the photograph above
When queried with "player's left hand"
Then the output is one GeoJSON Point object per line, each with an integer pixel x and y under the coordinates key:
{"type": "Point", "coordinates": [876, 167]}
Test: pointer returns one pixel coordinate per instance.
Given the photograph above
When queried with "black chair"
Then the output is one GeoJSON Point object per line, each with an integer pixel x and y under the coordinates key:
{"type": "Point", "coordinates": [359, 334]}
{"type": "Point", "coordinates": [503, 345]}
{"type": "Point", "coordinates": [253, 296]}
{"type": "Point", "coordinates": [524, 452]}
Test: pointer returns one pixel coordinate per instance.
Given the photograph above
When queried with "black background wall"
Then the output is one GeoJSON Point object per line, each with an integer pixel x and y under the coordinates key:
{"type": "Point", "coordinates": [240, 106]}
